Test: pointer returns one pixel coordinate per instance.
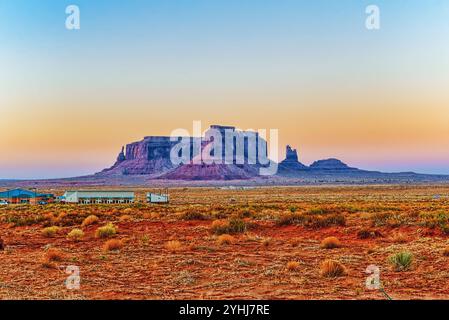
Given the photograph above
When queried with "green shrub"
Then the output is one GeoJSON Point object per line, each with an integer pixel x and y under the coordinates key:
{"type": "Point", "coordinates": [402, 260]}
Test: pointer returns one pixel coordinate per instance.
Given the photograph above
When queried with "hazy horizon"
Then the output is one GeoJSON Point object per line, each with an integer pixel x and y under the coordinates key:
{"type": "Point", "coordinates": [376, 100]}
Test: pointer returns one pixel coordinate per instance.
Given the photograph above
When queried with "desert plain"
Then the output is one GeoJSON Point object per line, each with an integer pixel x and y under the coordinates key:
{"type": "Point", "coordinates": [310, 242]}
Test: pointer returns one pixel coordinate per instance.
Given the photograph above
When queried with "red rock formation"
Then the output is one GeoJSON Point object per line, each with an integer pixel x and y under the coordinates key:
{"type": "Point", "coordinates": [211, 172]}
{"type": "Point", "coordinates": [151, 156]}
{"type": "Point", "coordinates": [291, 164]}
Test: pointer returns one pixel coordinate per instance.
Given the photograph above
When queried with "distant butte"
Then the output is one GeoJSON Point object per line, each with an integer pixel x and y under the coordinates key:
{"type": "Point", "coordinates": [330, 164]}
{"type": "Point", "coordinates": [151, 157]}
{"type": "Point", "coordinates": [149, 160]}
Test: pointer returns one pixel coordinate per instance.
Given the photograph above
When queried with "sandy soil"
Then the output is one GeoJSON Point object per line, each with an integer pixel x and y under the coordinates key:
{"type": "Point", "coordinates": [254, 266]}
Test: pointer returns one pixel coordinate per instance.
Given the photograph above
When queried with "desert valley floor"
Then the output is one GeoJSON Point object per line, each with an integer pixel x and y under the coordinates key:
{"type": "Point", "coordinates": [211, 243]}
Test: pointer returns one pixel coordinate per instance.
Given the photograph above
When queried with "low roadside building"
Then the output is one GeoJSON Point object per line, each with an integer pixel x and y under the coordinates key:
{"type": "Point", "coordinates": [22, 196]}
{"type": "Point", "coordinates": [97, 196]}
{"type": "Point", "coordinates": [158, 198]}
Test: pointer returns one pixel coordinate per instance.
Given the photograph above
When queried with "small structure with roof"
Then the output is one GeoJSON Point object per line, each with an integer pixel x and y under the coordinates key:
{"type": "Point", "coordinates": [23, 196]}
{"type": "Point", "coordinates": [161, 197]}
{"type": "Point", "coordinates": [98, 196]}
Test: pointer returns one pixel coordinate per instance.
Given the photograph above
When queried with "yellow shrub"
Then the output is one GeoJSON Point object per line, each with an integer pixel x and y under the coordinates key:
{"type": "Point", "coordinates": [92, 219]}
{"type": "Point", "coordinates": [75, 234]}
{"type": "Point", "coordinates": [50, 231]}
{"type": "Point", "coordinates": [106, 231]}
{"type": "Point", "coordinates": [173, 245]}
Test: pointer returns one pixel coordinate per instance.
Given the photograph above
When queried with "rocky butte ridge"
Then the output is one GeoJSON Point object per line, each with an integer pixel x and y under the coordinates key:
{"type": "Point", "coordinates": [151, 156]}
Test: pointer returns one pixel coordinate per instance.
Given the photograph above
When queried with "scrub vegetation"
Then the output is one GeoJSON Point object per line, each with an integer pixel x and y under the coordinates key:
{"type": "Point", "coordinates": [311, 242]}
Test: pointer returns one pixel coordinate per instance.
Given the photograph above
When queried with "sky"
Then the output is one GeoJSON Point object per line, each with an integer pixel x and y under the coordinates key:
{"type": "Point", "coordinates": [376, 99]}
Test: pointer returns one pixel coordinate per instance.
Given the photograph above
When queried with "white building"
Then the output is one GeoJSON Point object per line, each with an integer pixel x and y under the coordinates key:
{"type": "Point", "coordinates": [158, 198]}
{"type": "Point", "coordinates": [95, 196]}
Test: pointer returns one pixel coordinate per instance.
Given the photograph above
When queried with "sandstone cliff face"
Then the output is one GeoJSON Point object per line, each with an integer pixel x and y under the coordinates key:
{"type": "Point", "coordinates": [151, 156]}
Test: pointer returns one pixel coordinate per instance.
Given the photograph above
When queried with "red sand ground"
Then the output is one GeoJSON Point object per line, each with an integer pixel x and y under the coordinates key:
{"type": "Point", "coordinates": [253, 267]}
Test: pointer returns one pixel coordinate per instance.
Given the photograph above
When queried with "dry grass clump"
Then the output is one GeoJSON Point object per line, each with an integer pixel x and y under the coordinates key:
{"type": "Point", "coordinates": [324, 221]}
{"type": "Point", "coordinates": [66, 219]}
{"type": "Point", "coordinates": [92, 219]}
{"type": "Point", "coordinates": [435, 219]}
{"type": "Point", "coordinates": [293, 266]}
{"type": "Point", "coordinates": [446, 252]}
{"type": "Point", "coordinates": [332, 269]}
{"type": "Point", "coordinates": [75, 234]}
{"type": "Point", "coordinates": [125, 218]}
{"type": "Point", "coordinates": [389, 219]}
{"type": "Point", "coordinates": [128, 211]}
{"type": "Point", "coordinates": [266, 242]}
{"type": "Point", "coordinates": [245, 213]}
{"type": "Point", "coordinates": [173, 245]}
{"type": "Point", "coordinates": [312, 220]}
{"type": "Point", "coordinates": [113, 245]}
{"type": "Point", "coordinates": [145, 240]}
{"type": "Point", "coordinates": [193, 215]}
{"type": "Point", "coordinates": [232, 226]}
{"type": "Point", "coordinates": [399, 238]}
{"type": "Point", "coordinates": [219, 226]}
{"type": "Point", "coordinates": [330, 243]}
{"type": "Point", "coordinates": [371, 250]}
{"type": "Point", "coordinates": [151, 215]}
{"type": "Point", "coordinates": [50, 232]}
{"type": "Point", "coordinates": [321, 211]}
{"type": "Point", "coordinates": [106, 231]}
{"type": "Point", "coordinates": [401, 261]}
{"type": "Point", "coordinates": [290, 219]}
{"type": "Point", "coordinates": [51, 256]}
{"type": "Point", "coordinates": [225, 239]}
{"type": "Point", "coordinates": [368, 234]}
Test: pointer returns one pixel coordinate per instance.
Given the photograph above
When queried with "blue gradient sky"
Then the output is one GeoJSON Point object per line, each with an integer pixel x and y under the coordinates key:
{"type": "Point", "coordinates": [70, 99]}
